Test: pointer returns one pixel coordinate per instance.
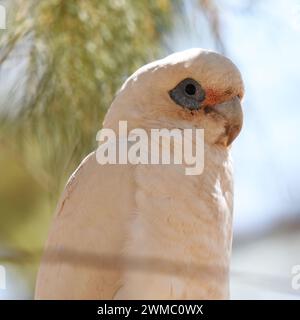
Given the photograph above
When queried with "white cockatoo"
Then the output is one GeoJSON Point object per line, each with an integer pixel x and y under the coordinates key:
{"type": "Point", "coordinates": [150, 231]}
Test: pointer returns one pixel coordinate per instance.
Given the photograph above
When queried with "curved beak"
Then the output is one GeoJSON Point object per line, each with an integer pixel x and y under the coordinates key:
{"type": "Point", "coordinates": [232, 111]}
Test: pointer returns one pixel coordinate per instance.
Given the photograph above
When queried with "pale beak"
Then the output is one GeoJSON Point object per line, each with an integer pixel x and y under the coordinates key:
{"type": "Point", "coordinates": [232, 111]}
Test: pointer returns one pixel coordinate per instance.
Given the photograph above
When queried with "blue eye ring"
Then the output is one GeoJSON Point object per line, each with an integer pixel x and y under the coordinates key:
{"type": "Point", "coordinates": [188, 94]}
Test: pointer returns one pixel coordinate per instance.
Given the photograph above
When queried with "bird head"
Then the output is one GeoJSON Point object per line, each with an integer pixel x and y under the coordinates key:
{"type": "Point", "coordinates": [195, 88]}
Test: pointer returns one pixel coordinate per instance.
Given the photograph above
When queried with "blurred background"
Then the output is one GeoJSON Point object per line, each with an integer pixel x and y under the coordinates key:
{"type": "Point", "coordinates": [61, 63]}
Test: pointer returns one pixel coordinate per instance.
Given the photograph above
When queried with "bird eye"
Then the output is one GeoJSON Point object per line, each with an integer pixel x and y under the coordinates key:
{"type": "Point", "coordinates": [190, 89]}
{"type": "Point", "coordinates": [188, 93]}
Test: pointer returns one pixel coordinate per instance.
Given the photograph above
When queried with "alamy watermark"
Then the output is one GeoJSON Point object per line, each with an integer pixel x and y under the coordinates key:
{"type": "Point", "coordinates": [296, 277]}
{"type": "Point", "coordinates": [2, 278]}
{"type": "Point", "coordinates": [2, 17]}
{"type": "Point", "coordinates": [159, 146]}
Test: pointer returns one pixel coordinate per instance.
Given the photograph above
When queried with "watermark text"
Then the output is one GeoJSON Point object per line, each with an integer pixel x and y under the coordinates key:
{"type": "Point", "coordinates": [155, 146]}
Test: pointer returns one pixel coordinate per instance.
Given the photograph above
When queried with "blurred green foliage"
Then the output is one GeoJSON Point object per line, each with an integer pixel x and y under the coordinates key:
{"type": "Point", "coordinates": [77, 55]}
{"type": "Point", "coordinates": [67, 59]}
